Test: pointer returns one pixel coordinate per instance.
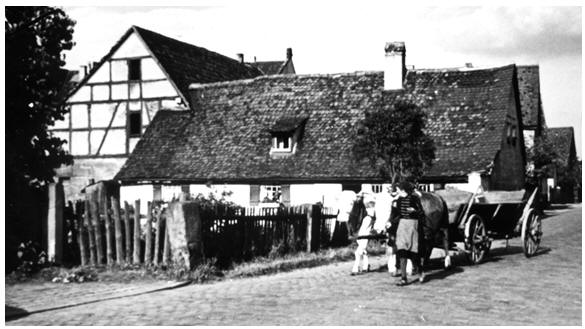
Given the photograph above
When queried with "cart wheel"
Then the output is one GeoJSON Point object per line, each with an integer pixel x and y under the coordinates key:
{"type": "Point", "coordinates": [476, 239]}
{"type": "Point", "coordinates": [531, 233]}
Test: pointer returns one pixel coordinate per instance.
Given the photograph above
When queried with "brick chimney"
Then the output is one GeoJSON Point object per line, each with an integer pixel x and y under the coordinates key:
{"type": "Point", "coordinates": [394, 67]}
{"type": "Point", "coordinates": [289, 53]}
{"type": "Point", "coordinates": [241, 58]}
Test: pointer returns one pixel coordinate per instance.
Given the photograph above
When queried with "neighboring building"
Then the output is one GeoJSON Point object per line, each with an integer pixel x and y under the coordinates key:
{"type": "Point", "coordinates": [275, 67]}
{"type": "Point", "coordinates": [113, 104]}
{"type": "Point", "coordinates": [292, 135]}
{"type": "Point", "coordinates": [533, 120]}
{"type": "Point", "coordinates": [565, 178]}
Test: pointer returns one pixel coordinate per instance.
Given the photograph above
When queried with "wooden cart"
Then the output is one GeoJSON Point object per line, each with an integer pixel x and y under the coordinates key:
{"type": "Point", "coordinates": [496, 215]}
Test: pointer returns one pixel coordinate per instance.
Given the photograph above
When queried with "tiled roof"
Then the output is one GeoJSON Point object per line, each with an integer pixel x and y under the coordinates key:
{"type": "Point", "coordinates": [184, 63]}
{"type": "Point", "coordinates": [563, 140]}
{"type": "Point", "coordinates": [271, 67]}
{"type": "Point", "coordinates": [227, 136]}
{"type": "Point", "coordinates": [529, 93]}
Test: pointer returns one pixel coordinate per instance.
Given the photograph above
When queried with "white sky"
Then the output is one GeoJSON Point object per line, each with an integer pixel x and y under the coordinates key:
{"type": "Point", "coordinates": [330, 37]}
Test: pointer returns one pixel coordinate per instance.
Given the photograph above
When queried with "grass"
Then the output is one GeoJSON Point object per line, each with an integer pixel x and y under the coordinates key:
{"type": "Point", "coordinates": [205, 272]}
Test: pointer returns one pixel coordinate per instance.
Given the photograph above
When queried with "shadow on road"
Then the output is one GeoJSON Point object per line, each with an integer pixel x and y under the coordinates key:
{"type": "Point", "coordinates": [497, 254]}
{"type": "Point", "coordinates": [443, 273]}
{"type": "Point", "coordinates": [13, 313]}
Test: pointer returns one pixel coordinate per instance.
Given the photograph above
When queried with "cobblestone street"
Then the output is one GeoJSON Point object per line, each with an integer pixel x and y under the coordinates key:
{"type": "Point", "coordinates": [507, 289]}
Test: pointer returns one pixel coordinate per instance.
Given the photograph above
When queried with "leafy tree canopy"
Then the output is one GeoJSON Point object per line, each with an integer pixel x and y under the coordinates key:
{"type": "Point", "coordinates": [35, 39]}
{"type": "Point", "coordinates": [394, 142]}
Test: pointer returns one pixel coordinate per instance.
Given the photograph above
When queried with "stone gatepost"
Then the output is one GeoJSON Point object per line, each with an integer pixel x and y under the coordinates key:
{"type": "Point", "coordinates": [185, 233]}
{"type": "Point", "coordinates": [55, 223]}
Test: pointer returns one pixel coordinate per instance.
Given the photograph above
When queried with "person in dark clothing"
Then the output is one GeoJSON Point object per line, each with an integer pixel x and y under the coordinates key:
{"type": "Point", "coordinates": [407, 215]}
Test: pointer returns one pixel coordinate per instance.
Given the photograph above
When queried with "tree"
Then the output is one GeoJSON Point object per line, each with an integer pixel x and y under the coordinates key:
{"type": "Point", "coordinates": [35, 39]}
{"type": "Point", "coordinates": [542, 158]}
{"type": "Point", "coordinates": [394, 142]}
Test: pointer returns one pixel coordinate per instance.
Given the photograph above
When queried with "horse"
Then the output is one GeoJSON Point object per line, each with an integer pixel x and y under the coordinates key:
{"type": "Point", "coordinates": [434, 227]}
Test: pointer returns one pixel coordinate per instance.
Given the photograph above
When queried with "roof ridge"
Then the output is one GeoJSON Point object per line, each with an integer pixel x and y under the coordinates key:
{"type": "Point", "coordinates": [281, 76]}
{"type": "Point", "coordinates": [138, 28]}
{"type": "Point", "coordinates": [463, 69]}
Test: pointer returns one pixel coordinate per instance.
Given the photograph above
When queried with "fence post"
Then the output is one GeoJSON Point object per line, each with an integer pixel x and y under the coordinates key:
{"type": "Point", "coordinates": [91, 233]}
{"type": "Point", "coordinates": [55, 222]}
{"type": "Point", "coordinates": [313, 227]}
{"type": "Point", "coordinates": [128, 232]}
{"type": "Point", "coordinates": [109, 236]}
{"type": "Point", "coordinates": [118, 229]}
{"type": "Point", "coordinates": [80, 234]}
{"type": "Point", "coordinates": [97, 231]}
{"type": "Point", "coordinates": [148, 235]}
{"type": "Point", "coordinates": [167, 246]}
{"type": "Point", "coordinates": [157, 236]}
{"type": "Point", "coordinates": [137, 232]}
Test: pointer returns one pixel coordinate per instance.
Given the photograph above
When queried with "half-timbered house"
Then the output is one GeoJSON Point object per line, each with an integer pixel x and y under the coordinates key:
{"type": "Point", "coordinates": [115, 102]}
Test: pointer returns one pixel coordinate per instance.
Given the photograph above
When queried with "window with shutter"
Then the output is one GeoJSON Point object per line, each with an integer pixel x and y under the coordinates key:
{"type": "Point", "coordinates": [254, 195]}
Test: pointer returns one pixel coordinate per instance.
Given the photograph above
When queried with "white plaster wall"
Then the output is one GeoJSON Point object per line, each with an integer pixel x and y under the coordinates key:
{"type": "Point", "coordinates": [102, 74]}
{"type": "Point", "coordinates": [78, 175]}
{"type": "Point", "coordinates": [170, 192]}
{"type": "Point", "coordinates": [158, 89]}
{"type": "Point", "coordinates": [131, 193]}
{"type": "Point", "coordinates": [151, 70]}
{"type": "Point", "coordinates": [195, 189]}
{"type": "Point", "coordinates": [473, 183]}
{"type": "Point", "coordinates": [81, 95]}
{"type": "Point", "coordinates": [79, 117]}
{"type": "Point", "coordinates": [131, 48]}
{"type": "Point", "coordinates": [313, 193]}
{"type": "Point", "coordinates": [240, 195]}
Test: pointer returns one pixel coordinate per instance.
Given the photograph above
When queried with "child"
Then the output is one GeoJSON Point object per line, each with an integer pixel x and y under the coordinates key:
{"type": "Point", "coordinates": [407, 211]}
{"type": "Point", "coordinates": [361, 253]}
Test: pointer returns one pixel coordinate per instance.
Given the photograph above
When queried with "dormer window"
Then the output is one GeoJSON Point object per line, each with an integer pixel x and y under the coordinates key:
{"type": "Point", "coordinates": [286, 134]}
{"type": "Point", "coordinates": [282, 142]}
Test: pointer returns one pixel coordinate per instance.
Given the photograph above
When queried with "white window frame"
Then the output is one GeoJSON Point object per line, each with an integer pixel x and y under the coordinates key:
{"type": "Point", "coordinates": [278, 143]}
{"type": "Point", "coordinates": [270, 191]}
{"type": "Point", "coordinates": [377, 188]}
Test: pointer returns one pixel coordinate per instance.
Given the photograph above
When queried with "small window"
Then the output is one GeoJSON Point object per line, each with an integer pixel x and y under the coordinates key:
{"type": "Point", "coordinates": [270, 193]}
{"type": "Point", "coordinates": [134, 69]}
{"type": "Point", "coordinates": [377, 188]}
{"type": "Point", "coordinates": [282, 142]}
{"type": "Point", "coordinates": [135, 123]}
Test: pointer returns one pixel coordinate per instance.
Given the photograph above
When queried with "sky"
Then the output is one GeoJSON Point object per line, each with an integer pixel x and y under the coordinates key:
{"type": "Point", "coordinates": [334, 37]}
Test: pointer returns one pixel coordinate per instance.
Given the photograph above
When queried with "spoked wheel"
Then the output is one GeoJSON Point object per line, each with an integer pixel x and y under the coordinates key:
{"type": "Point", "coordinates": [531, 233]}
{"type": "Point", "coordinates": [477, 241]}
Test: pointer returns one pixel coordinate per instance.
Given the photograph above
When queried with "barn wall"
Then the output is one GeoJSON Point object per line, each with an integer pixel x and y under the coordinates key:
{"type": "Point", "coordinates": [82, 170]}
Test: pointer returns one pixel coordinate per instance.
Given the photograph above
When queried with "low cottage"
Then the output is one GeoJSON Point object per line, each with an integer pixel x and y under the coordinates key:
{"type": "Point", "coordinates": [289, 137]}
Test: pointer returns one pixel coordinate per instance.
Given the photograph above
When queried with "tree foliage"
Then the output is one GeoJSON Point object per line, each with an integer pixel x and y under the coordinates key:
{"type": "Point", "coordinates": [35, 39]}
{"type": "Point", "coordinates": [542, 158]}
{"type": "Point", "coordinates": [394, 142]}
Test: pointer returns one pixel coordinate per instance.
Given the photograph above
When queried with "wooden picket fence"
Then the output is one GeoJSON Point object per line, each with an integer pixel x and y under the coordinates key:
{"type": "Point", "coordinates": [114, 235]}
{"type": "Point", "coordinates": [236, 234]}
